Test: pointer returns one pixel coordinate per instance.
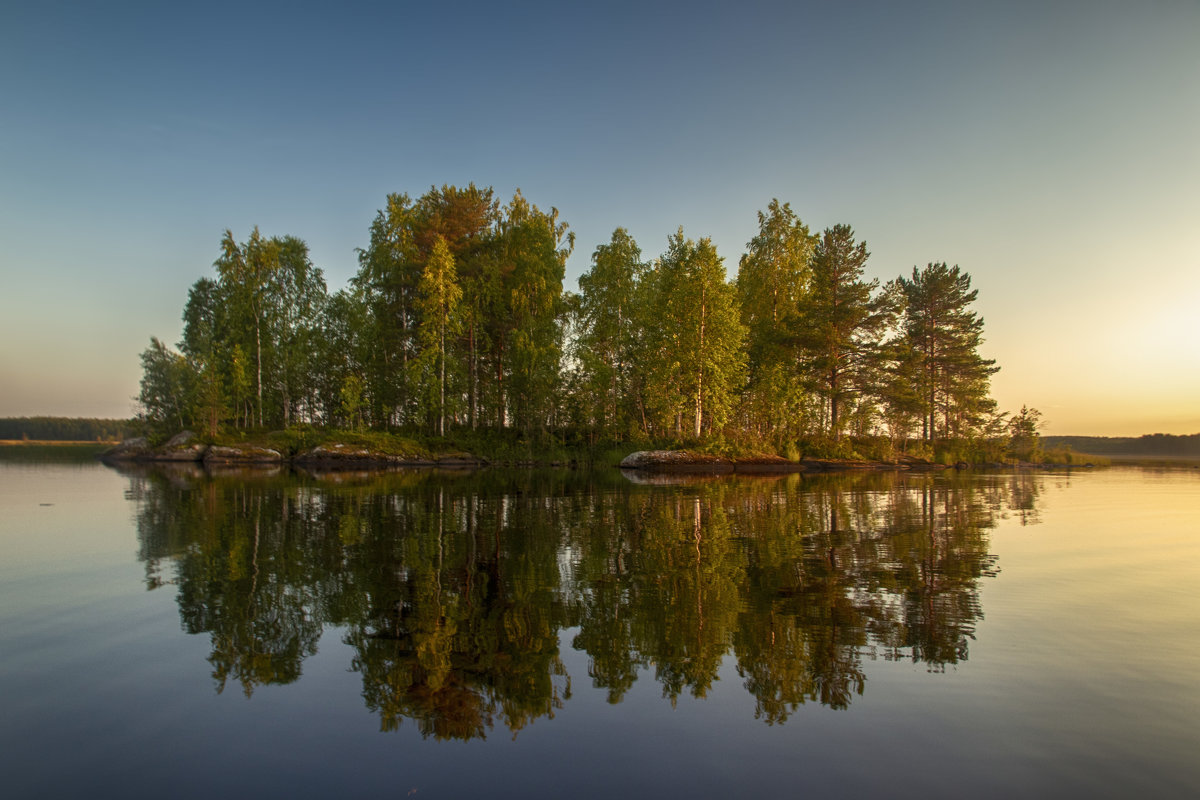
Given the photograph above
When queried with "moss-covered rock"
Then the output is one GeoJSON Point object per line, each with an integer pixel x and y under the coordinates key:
{"type": "Point", "coordinates": [342, 454]}
{"type": "Point", "coordinates": [136, 449]}
{"type": "Point", "coordinates": [693, 462]}
{"type": "Point", "coordinates": [767, 465]}
{"type": "Point", "coordinates": [676, 461]}
{"type": "Point", "coordinates": [242, 454]}
{"type": "Point", "coordinates": [183, 446]}
{"type": "Point", "coordinates": [460, 461]}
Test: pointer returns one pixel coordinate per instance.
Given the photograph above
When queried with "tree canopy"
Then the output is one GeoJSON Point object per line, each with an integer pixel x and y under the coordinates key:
{"type": "Point", "coordinates": [458, 320]}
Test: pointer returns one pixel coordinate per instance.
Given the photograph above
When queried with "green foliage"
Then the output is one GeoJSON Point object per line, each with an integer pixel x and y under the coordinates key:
{"type": "Point", "coordinates": [296, 297]}
{"type": "Point", "coordinates": [875, 448]}
{"type": "Point", "coordinates": [438, 299]}
{"type": "Point", "coordinates": [773, 277]}
{"type": "Point", "coordinates": [972, 450]}
{"type": "Point", "coordinates": [1024, 440]}
{"type": "Point", "coordinates": [942, 337]}
{"type": "Point", "coordinates": [260, 317]}
{"type": "Point", "coordinates": [344, 361]}
{"type": "Point", "coordinates": [840, 330]}
{"type": "Point", "coordinates": [457, 320]}
{"type": "Point", "coordinates": [774, 284]}
{"type": "Point", "coordinates": [209, 398]}
{"type": "Point", "coordinates": [827, 447]}
{"type": "Point", "coordinates": [512, 446]}
{"type": "Point", "coordinates": [606, 346]}
{"type": "Point", "coordinates": [352, 401]}
{"type": "Point", "coordinates": [693, 349]}
{"type": "Point", "coordinates": [918, 449]}
{"type": "Point", "coordinates": [387, 285]}
{"type": "Point", "coordinates": [502, 345]}
{"type": "Point", "coordinates": [166, 386]}
{"type": "Point", "coordinates": [1066, 456]}
{"type": "Point", "coordinates": [533, 247]}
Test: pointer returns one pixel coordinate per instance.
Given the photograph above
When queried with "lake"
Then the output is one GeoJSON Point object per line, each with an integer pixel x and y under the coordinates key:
{"type": "Point", "coordinates": [547, 633]}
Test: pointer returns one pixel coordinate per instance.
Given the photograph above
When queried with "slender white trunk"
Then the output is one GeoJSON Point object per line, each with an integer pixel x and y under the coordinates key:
{"type": "Point", "coordinates": [474, 380]}
{"type": "Point", "coordinates": [258, 359]}
{"type": "Point", "coordinates": [700, 370]}
{"type": "Point", "coordinates": [442, 384]}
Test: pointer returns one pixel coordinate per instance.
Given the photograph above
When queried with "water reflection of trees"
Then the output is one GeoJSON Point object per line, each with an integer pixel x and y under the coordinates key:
{"type": "Point", "coordinates": [453, 591]}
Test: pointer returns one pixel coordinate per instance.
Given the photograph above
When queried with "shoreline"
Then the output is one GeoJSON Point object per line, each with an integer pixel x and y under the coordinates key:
{"type": "Point", "coordinates": [186, 448]}
{"type": "Point", "coordinates": [333, 455]}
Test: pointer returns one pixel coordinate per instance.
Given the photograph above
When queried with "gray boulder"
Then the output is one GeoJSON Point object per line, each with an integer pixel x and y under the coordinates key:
{"type": "Point", "coordinates": [182, 447]}
{"type": "Point", "coordinates": [675, 461]}
{"type": "Point", "coordinates": [242, 454]}
{"type": "Point", "coordinates": [136, 449]}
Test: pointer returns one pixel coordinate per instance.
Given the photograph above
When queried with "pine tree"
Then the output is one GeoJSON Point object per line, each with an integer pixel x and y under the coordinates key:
{"type": "Point", "coordinates": [842, 323]}
{"type": "Point", "coordinates": [945, 335]}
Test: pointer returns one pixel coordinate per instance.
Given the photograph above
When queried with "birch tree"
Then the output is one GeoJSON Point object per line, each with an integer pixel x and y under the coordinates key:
{"type": "Point", "coordinates": [609, 332]}
{"type": "Point", "coordinates": [696, 360]}
{"type": "Point", "coordinates": [773, 282]}
{"type": "Point", "coordinates": [439, 299]}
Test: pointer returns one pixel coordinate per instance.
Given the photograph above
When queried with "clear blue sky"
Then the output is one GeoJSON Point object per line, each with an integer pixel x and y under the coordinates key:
{"type": "Point", "coordinates": [1050, 149]}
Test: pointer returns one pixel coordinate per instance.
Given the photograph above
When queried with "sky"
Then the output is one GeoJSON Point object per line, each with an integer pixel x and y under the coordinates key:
{"type": "Point", "coordinates": [1049, 149]}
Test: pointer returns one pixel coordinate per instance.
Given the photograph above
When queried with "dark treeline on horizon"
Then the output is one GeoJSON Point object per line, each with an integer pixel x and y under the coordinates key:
{"type": "Point", "coordinates": [64, 429]}
{"type": "Point", "coordinates": [458, 320]}
{"type": "Point", "coordinates": [1154, 444]}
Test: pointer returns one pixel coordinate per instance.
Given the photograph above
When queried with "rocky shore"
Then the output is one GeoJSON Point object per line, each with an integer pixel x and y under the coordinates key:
{"type": "Point", "coordinates": [680, 461]}
{"type": "Point", "coordinates": [185, 447]}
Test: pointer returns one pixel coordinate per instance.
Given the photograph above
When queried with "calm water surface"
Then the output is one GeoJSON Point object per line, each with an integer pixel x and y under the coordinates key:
{"type": "Point", "coordinates": [528, 634]}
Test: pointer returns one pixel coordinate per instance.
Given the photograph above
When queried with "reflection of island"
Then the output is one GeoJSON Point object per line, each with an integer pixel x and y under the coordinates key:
{"type": "Point", "coordinates": [454, 590]}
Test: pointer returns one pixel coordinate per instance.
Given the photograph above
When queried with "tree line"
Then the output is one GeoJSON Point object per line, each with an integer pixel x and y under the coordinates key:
{"type": "Point", "coordinates": [64, 429]}
{"type": "Point", "coordinates": [458, 319]}
{"type": "Point", "coordinates": [1155, 444]}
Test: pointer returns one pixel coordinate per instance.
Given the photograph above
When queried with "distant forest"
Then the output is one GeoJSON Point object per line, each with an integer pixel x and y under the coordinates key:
{"type": "Point", "coordinates": [1156, 444]}
{"type": "Point", "coordinates": [457, 320]}
{"type": "Point", "coordinates": [65, 429]}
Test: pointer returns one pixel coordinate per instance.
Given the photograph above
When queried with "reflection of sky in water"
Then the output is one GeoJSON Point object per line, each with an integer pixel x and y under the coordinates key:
{"type": "Point", "coordinates": [1080, 676]}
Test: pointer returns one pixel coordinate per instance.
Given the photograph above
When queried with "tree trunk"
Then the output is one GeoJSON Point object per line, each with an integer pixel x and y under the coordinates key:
{"type": "Point", "coordinates": [442, 383]}
{"type": "Point", "coordinates": [474, 358]}
{"type": "Point", "coordinates": [258, 365]}
{"type": "Point", "coordinates": [700, 370]}
{"type": "Point", "coordinates": [502, 406]}
{"type": "Point", "coordinates": [833, 404]}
